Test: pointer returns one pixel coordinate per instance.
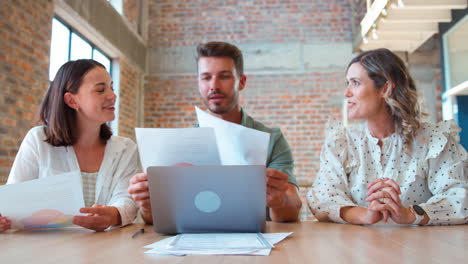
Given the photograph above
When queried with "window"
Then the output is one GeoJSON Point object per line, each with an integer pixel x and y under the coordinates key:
{"type": "Point", "coordinates": [67, 45]}
{"type": "Point", "coordinates": [455, 65]}
{"type": "Point", "coordinates": [456, 54]}
{"type": "Point", "coordinates": [117, 4]}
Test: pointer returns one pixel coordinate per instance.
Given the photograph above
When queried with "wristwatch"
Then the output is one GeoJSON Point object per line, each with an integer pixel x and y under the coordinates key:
{"type": "Point", "coordinates": [418, 212]}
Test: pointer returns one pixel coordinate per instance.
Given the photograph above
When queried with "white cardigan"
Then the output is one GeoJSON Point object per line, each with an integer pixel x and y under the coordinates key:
{"type": "Point", "coordinates": [37, 159]}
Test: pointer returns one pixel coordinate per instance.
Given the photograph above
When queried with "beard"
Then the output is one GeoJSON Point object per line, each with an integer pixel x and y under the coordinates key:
{"type": "Point", "coordinates": [223, 107]}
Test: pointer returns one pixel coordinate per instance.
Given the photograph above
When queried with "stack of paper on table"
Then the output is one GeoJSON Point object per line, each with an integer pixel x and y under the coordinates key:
{"type": "Point", "coordinates": [217, 244]}
{"type": "Point", "coordinates": [215, 142]}
{"type": "Point", "coordinates": [49, 202]}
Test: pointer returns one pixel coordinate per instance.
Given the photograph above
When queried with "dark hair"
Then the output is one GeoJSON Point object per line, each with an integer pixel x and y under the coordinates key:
{"type": "Point", "coordinates": [60, 119]}
{"type": "Point", "coordinates": [222, 49]}
{"type": "Point", "coordinates": [384, 66]}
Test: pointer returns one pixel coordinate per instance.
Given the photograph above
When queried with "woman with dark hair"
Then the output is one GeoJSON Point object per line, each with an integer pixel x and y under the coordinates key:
{"type": "Point", "coordinates": [392, 165]}
{"type": "Point", "coordinates": [75, 137]}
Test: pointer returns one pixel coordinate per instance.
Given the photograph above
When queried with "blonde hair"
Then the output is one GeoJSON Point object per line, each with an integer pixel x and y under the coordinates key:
{"type": "Point", "coordinates": [386, 68]}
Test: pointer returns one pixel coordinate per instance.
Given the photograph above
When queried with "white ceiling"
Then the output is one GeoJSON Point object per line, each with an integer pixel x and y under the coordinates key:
{"type": "Point", "coordinates": [404, 25]}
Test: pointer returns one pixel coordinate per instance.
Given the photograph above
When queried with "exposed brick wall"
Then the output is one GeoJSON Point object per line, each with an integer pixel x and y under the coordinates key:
{"type": "Point", "coordinates": [424, 66]}
{"type": "Point", "coordinates": [427, 101]}
{"type": "Point", "coordinates": [25, 30]}
{"type": "Point", "coordinates": [129, 90]}
{"type": "Point", "coordinates": [298, 103]}
{"type": "Point", "coordinates": [176, 23]}
{"type": "Point", "coordinates": [170, 101]}
{"type": "Point", "coordinates": [359, 11]}
{"type": "Point", "coordinates": [130, 10]}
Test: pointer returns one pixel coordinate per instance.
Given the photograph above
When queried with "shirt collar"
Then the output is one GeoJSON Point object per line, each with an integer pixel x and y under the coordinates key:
{"type": "Point", "coordinates": [246, 120]}
{"type": "Point", "coordinates": [376, 140]}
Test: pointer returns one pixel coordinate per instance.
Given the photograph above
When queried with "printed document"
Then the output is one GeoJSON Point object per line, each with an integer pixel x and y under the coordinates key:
{"type": "Point", "coordinates": [176, 146]}
{"type": "Point", "coordinates": [238, 145]}
{"type": "Point", "coordinates": [217, 244]}
{"type": "Point", "coordinates": [220, 241]}
{"type": "Point", "coordinates": [49, 202]}
{"type": "Point", "coordinates": [215, 142]}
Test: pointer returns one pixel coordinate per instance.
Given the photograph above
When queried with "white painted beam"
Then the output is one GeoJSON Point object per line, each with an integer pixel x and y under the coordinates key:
{"type": "Point", "coordinates": [418, 15]}
{"type": "Point", "coordinates": [402, 45]}
{"type": "Point", "coordinates": [372, 15]}
{"type": "Point", "coordinates": [413, 27]}
{"type": "Point", "coordinates": [461, 89]}
{"type": "Point", "coordinates": [435, 4]}
{"type": "Point", "coordinates": [408, 45]}
{"type": "Point", "coordinates": [401, 35]}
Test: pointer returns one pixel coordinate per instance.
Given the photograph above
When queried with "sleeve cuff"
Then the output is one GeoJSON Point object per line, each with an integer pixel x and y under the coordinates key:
{"type": "Point", "coordinates": [127, 211]}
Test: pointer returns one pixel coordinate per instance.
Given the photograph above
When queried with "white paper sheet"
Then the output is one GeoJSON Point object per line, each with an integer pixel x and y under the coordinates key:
{"type": "Point", "coordinates": [171, 146]}
{"type": "Point", "coordinates": [220, 241]}
{"type": "Point", "coordinates": [163, 247]}
{"type": "Point", "coordinates": [238, 145]}
{"type": "Point", "coordinates": [49, 202]}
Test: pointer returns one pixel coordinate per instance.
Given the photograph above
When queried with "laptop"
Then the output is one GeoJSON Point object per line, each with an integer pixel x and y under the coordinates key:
{"type": "Point", "coordinates": [207, 199]}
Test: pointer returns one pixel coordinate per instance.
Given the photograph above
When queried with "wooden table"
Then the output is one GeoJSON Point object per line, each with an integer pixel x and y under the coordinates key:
{"type": "Point", "coordinates": [312, 242]}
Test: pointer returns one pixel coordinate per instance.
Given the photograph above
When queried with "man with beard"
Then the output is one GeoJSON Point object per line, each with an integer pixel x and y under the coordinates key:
{"type": "Point", "coordinates": [220, 79]}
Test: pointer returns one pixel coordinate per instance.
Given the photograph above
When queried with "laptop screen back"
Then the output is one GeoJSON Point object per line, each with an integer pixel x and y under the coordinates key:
{"type": "Point", "coordinates": [207, 199]}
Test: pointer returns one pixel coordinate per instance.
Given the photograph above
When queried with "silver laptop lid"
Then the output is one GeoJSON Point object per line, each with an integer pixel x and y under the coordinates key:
{"type": "Point", "coordinates": [207, 199]}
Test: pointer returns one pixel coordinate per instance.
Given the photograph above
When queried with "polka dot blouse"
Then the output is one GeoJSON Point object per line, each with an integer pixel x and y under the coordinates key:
{"type": "Point", "coordinates": [431, 174]}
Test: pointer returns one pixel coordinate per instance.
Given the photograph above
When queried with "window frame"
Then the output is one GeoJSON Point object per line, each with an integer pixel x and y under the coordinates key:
{"type": "Point", "coordinates": [71, 31]}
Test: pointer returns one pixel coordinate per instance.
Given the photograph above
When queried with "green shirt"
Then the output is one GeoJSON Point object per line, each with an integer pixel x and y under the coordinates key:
{"type": "Point", "coordinates": [279, 153]}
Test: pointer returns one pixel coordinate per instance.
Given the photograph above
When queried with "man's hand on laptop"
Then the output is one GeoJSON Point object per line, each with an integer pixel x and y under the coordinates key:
{"type": "Point", "coordinates": [282, 197]}
{"type": "Point", "coordinates": [138, 188]}
{"type": "Point", "coordinates": [277, 185]}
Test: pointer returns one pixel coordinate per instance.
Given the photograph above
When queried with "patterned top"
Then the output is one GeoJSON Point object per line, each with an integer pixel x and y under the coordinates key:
{"type": "Point", "coordinates": [432, 174]}
{"type": "Point", "coordinates": [89, 187]}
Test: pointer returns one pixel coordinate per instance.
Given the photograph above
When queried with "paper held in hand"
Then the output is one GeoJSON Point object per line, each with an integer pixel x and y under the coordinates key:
{"type": "Point", "coordinates": [49, 202]}
{"type": "Point", "coordinates": [215, 142]}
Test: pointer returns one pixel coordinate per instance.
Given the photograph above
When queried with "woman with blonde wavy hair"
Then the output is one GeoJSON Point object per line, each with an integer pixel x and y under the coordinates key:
{"type": "Point", "coordinates": [392, 165]}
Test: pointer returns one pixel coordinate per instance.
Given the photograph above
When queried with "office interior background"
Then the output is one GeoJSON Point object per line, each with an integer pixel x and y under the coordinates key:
{"type": "Point", "coordinates": [296, 53]}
